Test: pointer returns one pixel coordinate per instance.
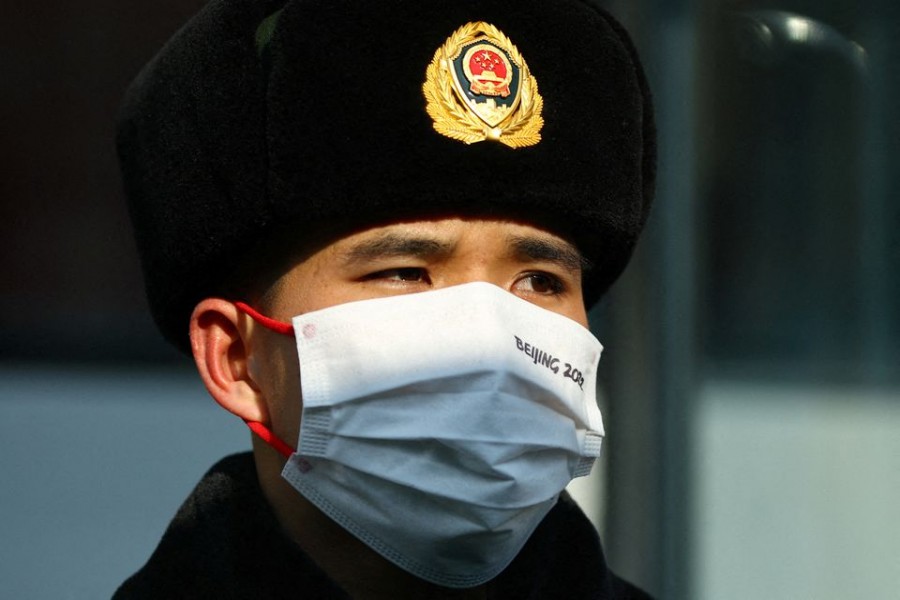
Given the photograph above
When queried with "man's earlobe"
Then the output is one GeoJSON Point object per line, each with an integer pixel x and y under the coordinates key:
{"type": "Point", "coordinates": [220, 344]}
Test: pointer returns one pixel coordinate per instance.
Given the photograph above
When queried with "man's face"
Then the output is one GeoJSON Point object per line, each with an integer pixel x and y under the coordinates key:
{"type": "Point", "coordinates": [406, 258]}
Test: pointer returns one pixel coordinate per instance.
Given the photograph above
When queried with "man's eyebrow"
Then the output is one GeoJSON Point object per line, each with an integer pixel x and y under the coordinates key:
{"type": "Point", "coordinates": [395, 245]}
{"type": "Point", "coordinates": [528, 248]}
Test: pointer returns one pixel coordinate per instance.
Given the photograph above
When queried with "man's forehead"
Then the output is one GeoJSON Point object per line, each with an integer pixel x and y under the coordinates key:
{"type": "Point", "coordinates": [448, 231]}
{"type": "Point", "coordinates": [434, 237]}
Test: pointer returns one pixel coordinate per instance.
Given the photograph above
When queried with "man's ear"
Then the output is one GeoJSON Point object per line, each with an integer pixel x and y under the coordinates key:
{"type": "Point", "coordinates": [220, 343]}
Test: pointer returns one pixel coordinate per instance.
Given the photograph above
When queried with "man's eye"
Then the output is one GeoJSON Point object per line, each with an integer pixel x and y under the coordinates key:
{"type": "Point", "coordinates": [541, 283]}
{"type": "Point", "coordinates": [408, 274]}
{"type": "Point", "coordinates": [401, 274]}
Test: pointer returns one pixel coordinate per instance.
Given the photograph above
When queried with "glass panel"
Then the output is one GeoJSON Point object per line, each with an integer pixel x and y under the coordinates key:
{"type": "Point", "coordinates": [802, 243]}
{"type": "Point", "coordinates": [794, 458]}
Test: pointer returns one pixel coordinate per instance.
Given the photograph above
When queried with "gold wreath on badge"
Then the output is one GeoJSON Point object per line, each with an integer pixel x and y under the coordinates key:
{"type": "Point", "coordinates": [478, 88]}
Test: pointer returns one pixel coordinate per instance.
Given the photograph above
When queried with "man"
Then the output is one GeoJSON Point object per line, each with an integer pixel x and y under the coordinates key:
{"type": "Point", "coordinates": [377, 227]}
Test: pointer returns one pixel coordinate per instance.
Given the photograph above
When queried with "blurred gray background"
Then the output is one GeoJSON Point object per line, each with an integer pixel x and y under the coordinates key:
{"type": "Point", "coordinates": [751, 378]}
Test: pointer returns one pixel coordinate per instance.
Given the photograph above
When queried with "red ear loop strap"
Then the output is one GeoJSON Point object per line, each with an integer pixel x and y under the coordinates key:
{"type": "Point", "coordinates": [267, 322]}
{"type": "Point", "coordinates": [270, 438]}
{"type": "Point", "coordinates": [256, 427]}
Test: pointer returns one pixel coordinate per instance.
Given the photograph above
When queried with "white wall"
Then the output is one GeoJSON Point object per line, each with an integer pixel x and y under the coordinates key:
{"type": "Point", "coordinates": [93, 465]}
{"type": "Point", "coordinates": [797, 493]}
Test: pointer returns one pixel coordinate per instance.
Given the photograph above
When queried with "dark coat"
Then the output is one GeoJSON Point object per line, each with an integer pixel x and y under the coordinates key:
{"type": "Point", "coordinates": [226, 543]}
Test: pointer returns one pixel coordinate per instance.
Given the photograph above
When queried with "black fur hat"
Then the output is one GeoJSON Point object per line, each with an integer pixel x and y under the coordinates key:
{"type": "Point", "coordinates": [260, 113]}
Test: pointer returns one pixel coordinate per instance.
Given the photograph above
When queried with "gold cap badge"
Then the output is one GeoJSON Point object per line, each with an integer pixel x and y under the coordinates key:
{"type": "Point", "coordinates": [478, 88]}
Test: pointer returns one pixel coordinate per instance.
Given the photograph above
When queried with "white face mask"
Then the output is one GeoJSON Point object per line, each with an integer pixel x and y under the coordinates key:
{"type": "Point", "coordinates": [439, 428]}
